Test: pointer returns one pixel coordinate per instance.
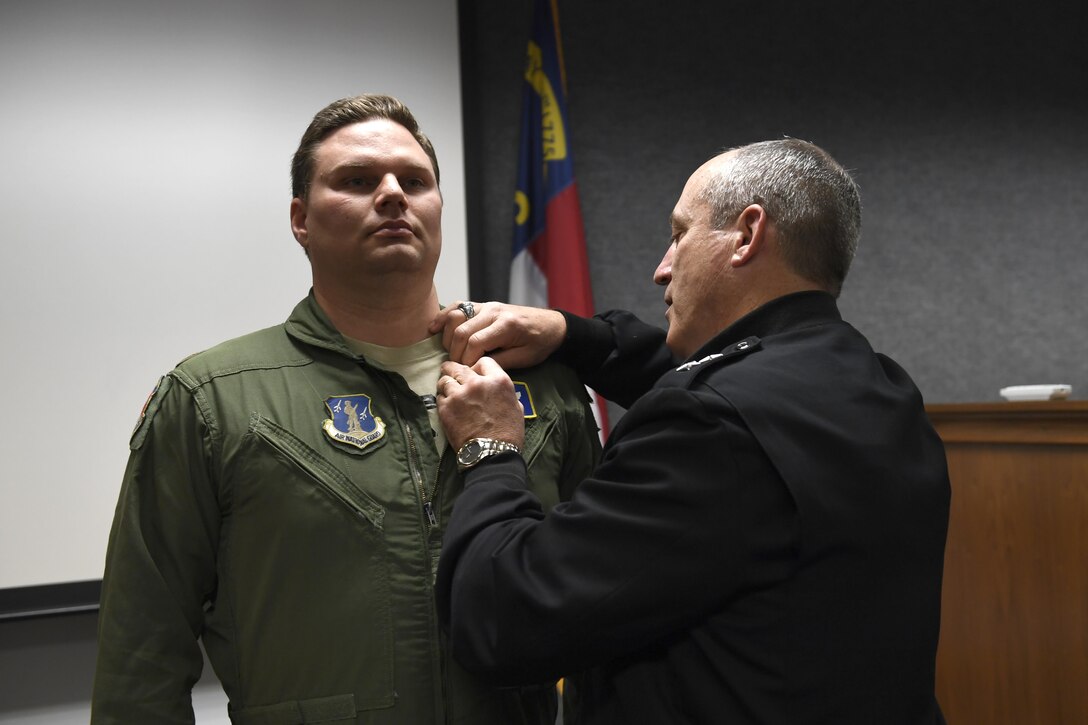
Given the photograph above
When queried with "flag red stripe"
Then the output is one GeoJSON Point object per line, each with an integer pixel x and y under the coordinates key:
{"type": "Point", "coordinates": [560, 252]}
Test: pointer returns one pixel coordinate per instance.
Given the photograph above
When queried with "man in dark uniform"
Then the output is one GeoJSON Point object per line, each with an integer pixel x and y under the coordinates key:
{"type": "Point", "coordinates": [763, 539]}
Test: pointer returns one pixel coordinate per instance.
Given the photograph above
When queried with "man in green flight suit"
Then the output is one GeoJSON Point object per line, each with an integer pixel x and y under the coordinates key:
{"type": "Point", "coordinates": [287, 491]}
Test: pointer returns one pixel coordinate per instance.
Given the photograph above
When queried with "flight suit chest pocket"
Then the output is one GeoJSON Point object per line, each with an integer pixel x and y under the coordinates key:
{"type": "Point", "coordinates": [315, 466]}
{"type": "Point", "coordinates": [305, 564]}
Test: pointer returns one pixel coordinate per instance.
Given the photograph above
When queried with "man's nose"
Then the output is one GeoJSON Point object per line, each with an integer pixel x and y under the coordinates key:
{"type": "Point", "coordinates": [663, 273]}
{"type": "Point", "coordinates": [389, 190]}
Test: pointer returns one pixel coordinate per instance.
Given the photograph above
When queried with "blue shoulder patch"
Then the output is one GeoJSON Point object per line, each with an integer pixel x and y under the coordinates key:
{"type": "Point", "coordinates": [525, 398]}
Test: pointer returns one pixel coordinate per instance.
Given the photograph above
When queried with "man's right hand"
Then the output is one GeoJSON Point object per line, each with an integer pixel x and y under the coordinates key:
{"type": "Point", "coordinates": [514, 336]}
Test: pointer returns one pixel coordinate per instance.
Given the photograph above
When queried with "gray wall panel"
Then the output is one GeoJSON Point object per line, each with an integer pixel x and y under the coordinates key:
{"type": "Point", "coordinates": [966, 126]}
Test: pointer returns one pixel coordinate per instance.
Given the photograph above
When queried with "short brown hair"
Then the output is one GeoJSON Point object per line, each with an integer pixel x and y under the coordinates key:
{"type": "Point", "coordinates": [345, 112]}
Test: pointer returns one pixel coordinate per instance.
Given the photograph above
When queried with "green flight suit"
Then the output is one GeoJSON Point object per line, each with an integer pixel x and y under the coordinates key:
{"type": "Point", "coordinates": [299, 547]}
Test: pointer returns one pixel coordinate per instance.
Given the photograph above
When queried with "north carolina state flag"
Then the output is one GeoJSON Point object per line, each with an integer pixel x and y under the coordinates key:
{"type": "Point", "coordinates": [550, 267]}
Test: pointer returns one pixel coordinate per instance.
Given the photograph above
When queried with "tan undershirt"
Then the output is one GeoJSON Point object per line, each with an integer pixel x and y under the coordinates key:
{"type": "Point", "coordinates": [419, 364]}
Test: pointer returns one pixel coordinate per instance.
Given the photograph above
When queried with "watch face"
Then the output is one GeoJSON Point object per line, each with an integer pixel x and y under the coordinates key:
{"type": "Point", "coordinates": [470, 452]}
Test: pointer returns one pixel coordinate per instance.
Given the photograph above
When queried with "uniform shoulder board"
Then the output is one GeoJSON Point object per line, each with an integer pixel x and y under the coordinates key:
{"type": "Point", "coordinates": [745, 346]}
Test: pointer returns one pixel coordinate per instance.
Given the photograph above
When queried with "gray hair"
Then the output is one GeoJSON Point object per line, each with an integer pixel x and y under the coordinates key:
{"type": "Point", "coordinates": [812, 200]}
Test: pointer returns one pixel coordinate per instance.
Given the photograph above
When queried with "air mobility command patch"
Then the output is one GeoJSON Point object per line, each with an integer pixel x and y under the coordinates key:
{"type": "Point", "coordinates": [525, 398]}
{"type": "Point", "coordinates": [352, 422]}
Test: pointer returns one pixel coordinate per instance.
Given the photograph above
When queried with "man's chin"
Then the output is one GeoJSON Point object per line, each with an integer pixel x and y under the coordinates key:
{"type": "Point", "coordinates": [674, 345]}
{"type": "Point", "coordinates": [397, 252]}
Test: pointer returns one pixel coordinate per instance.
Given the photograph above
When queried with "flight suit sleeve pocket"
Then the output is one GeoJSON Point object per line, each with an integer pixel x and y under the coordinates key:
{"type": "Point", "coordinates": [543, 454]}
{"type": "Point", "coordinates": [338, 708]}
{"type": "Point", "coordinates": [537, 431]}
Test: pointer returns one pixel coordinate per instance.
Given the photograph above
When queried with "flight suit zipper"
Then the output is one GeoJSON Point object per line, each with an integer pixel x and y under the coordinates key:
{"type": "Point", "coordinates": [414, 465]}
{"type": "Point", "coordinates": [415, 470]}
{"type": "Point", "coordinates": [427, 502]}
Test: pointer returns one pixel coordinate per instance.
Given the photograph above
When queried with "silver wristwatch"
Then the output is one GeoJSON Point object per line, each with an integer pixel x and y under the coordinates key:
{"type": "Point", "coordinates": [476, 449]}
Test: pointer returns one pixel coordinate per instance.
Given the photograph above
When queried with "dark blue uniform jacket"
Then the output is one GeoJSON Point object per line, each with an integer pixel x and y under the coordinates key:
{"type": "Point", "coordinates": [762, 542]}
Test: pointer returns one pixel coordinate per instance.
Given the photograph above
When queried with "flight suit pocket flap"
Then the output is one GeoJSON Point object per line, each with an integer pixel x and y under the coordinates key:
{"type": "Point", "coordinates": [327, 475]}
{"type": "Point", "coordinates": [338, 708]}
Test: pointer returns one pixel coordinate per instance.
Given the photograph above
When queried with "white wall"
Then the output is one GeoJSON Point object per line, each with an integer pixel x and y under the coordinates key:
{"type": "Point", "coordinates": [144, 198]}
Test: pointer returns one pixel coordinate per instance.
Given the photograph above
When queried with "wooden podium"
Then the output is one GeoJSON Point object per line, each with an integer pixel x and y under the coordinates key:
{"type": "Point", "coordinates": [1014, 618]}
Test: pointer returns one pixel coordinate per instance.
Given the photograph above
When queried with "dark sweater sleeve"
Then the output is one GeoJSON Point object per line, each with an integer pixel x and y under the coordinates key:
{"type": "Point", "coordinates": [527, 598]}
{"type": "Point", "coordinates": [615, 353]}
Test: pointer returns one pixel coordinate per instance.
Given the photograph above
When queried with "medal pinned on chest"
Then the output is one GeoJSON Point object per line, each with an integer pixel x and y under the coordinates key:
{"type": "Point", "coordinates": [352, 422]}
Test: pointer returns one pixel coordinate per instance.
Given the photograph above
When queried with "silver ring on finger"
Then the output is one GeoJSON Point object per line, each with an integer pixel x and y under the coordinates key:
{"type": "Point", "coordinates": [468, 308]}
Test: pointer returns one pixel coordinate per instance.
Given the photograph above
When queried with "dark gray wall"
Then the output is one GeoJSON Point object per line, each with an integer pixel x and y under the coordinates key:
{"type": "Point", "coordinates": [965, 124]}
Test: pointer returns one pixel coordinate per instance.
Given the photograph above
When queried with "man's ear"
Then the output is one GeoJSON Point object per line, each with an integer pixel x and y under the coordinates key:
{"type": "Point", "coordinates": [298, 223]}
{"type": "Point", "coordinates": [752, 225]}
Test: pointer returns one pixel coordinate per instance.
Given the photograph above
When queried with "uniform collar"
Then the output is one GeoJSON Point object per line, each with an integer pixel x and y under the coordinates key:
{"type": "Point", "coordinates": [309, 324]}
{"type": "Point", "coordinates": [789, 312]}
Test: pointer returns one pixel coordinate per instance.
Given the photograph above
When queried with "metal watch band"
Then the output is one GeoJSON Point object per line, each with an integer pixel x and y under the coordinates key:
{"type": "Point", "coordinates": [475, 450]}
